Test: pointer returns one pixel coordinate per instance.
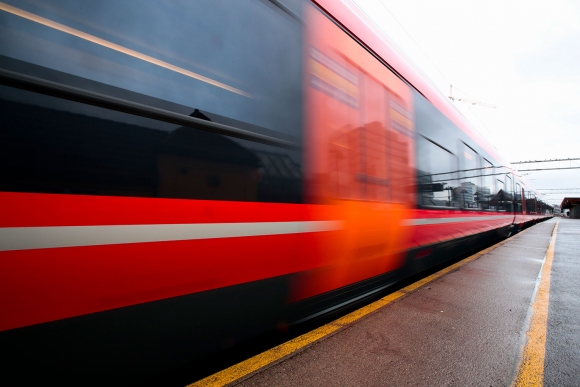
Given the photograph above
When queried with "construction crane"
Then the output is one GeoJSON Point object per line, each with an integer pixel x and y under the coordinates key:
{"type": "Point", "coordinates": [467, 100]}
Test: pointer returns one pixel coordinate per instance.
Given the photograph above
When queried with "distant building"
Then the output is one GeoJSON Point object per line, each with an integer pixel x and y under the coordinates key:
{"type": "Point", "coordinates": [483, 193]}
{"type": "Point", "coordinates": [465, 195]}
{"type": "Point", "coordinates": [571, 206]}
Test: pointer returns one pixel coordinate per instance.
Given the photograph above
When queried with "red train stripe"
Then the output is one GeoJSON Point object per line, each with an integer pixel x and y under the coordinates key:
{"type": "Point", "coordinates": [49, 284]}
{"type": "Point", "coordinates": [38, 210]}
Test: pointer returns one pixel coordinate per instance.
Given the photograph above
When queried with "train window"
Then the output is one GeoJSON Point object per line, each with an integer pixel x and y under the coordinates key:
{"type": "Point", "coordinates": [360, 121]}
{"type": "Point", "coordinates": [518, 198]}
{"type": "Point", "coordinates": [50, 145]}
{"type": "Point", "coordinates": [508, 184]}
{"type": "Point", "coordinates": [509, 194]}
{"type": "Point", "coordinates": [437, 175]}
{"type": "Point", "coordinates": [530, 202]}
{"type": "Point", "coordinates": [469, 189]}
{"type": "Point", "coordinates": [487, 188]}
{"type": "Point", "coordinates": [499, 198]}
{"type": "Point", "coordinates": [238, 59]}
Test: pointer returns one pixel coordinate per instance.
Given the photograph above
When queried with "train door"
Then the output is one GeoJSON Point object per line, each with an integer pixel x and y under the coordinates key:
{"type": "Point", "coordinates": [359, 157]}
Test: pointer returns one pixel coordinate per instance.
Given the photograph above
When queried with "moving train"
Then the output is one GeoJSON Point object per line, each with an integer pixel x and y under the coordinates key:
{"type": "Point", "coordinates": [181, 177]}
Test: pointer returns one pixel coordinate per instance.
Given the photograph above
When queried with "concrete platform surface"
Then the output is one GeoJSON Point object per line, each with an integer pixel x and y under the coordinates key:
{"type": "Point", "coordinates": [467, 328]}
{"type": "Point", "coordinates": [562, 365]}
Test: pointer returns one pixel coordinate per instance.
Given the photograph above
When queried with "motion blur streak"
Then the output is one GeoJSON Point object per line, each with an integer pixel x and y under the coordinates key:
{"type": "Point", "coordinates": [116, 47]}
{"type": "Point", "coordinates": [359, 161]}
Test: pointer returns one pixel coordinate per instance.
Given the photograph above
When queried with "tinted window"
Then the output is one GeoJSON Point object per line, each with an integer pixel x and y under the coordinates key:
{"type": "Point", "coordinates": [530, 202]}
{"type": "Point", "coordinates": [499, 197]}
{"type": "Point", "coordinates": [509, 197]}
{"type": "Point", "coordinates": [518, 198]}
{"type": "Point", "coordinates": [239, 59]}
{"type": "Point", "coordinates": [236, 63]}
{"type": "Point", "coordinates": [487, 190]}
{"type": "Point", "coordinates": [470, 181]}
{"type": "Point", "coordinates": [437, 175]}
{"type": "Point", "coordinates": [55, 146]}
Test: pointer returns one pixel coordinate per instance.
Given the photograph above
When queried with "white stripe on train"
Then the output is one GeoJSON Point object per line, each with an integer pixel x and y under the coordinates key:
{"type": "Point", "coordinates": [26, 238]}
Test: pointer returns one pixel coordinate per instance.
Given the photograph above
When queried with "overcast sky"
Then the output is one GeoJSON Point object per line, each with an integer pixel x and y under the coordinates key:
{"type": "Point", "coordinates": [521, 56]}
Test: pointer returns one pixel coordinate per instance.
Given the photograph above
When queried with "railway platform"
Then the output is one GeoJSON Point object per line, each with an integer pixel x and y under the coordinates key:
{"type": "Point", "coordinates": [508, 315]}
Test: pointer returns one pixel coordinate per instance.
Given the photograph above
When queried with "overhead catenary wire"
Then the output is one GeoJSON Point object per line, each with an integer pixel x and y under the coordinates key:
{"type": "Point", "coordinates": [558, 189]}
{"type": "Point", "coordinates": [543, 161]}
{"type": "Point", "coordinates": [480, 120]}
{"type": "Point", "coordinates": [414, 41]}
{"type": "Point", "coordinates": [429, 59]}
{"type": "Point", "coordinates": [424, 53]}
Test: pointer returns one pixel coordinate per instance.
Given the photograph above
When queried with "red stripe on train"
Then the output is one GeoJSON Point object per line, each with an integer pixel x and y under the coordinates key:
{"type": "Point", "coordinates": [36, 210]}
{"type": "Point", "coordinates": [428, 234]}
{"type": "Point", "coordinates": [49, 284]}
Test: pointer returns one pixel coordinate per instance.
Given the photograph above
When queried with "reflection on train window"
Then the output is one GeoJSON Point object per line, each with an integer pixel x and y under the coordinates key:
{"type": "Point", "coordinates": [530, 202]}
{"type": "Point", "coordinates": [487, 189]}
{"type": "Point", "coordinates": [367, 162]}
{"type": "Point", "coordinates": [518, 198]}
{"type": "Point", "coordinates": [49, 145]}
{"type": "Point", "coordinates": [500, 197]}
{"type": "Point", "coordinates": [436, 175]}
{"type": "Point", "coordinates": [509, 195]}
{"type": "Point", "coordinates": [469, 190]}
{"type": "Point", "coordinates": [240, 59]}
{"type": "Point", "coordinates": [508, 184]}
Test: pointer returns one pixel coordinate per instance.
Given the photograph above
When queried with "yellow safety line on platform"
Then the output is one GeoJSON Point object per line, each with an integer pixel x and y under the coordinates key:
{"type": "Point", "coordinates": [531, 369]}
{"type": "Point", "coordinates": [289, 348]}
